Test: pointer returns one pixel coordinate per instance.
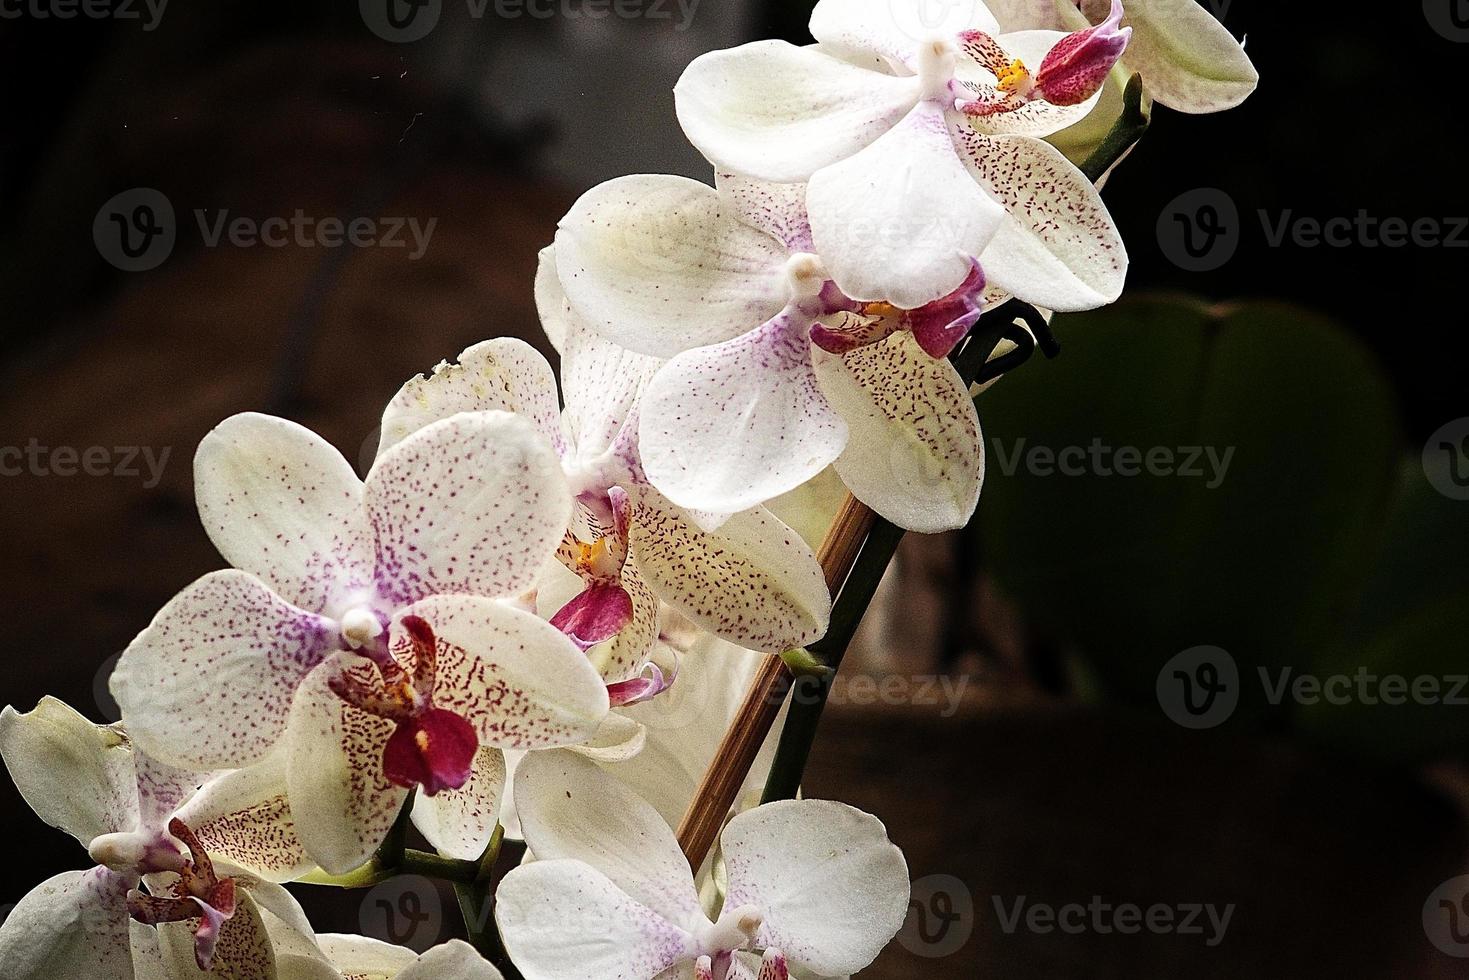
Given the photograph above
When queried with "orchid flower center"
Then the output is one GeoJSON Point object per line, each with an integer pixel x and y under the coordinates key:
{"type": "Point", "coordinates": [936, 62]}
{"type": "Point", "coordinates": [430, 747]}
{"type": "Point", "coordinates": [137, 852]}
{"type": "Point", "coordinates": [735, 930]}
{"type": "Point", "coordinates": [198, 894]}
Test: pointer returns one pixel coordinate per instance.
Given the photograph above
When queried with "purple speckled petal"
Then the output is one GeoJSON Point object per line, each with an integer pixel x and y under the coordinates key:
{"type": "Point", "coordinates": [245, 818]}
{"type": "Point", "coordinates": [471, 504]}
{"type": "Point", "coordinates": [243, 950]}
{"type": "Point", "coordinates": [209, 683]}
{"type": "Point", "coordinates": [602, 382]}
{"type": "Point", "coordinates": [74, 925]}
{"type": "Point", "coordinates": [728, 427]}
{"type": "Point", "coordinates": [279, 502]}
{"type": "Point", "coordinates": [458, 823]}
{"type": "Point", "coordinates": [779, 210]}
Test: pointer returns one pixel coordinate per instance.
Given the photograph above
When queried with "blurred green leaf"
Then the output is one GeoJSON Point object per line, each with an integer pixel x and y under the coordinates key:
{"type": "Point", "coordinates": [1273, 440]}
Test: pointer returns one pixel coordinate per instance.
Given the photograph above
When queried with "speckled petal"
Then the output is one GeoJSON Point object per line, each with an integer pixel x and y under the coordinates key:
{"type": "Point", "coordinates": [515, 677]}
{"type": "Point", "coordinates": [656, 265]}
{"type": "Point", "coordinates": [779, 210]}
{"type": "Point", "coordinates": [728, 427]}
{"type": "Point", "coordinates": [244, 950]}
{"type": "Point", "coordinates": [504, 374]}
{"type": "Point", "coordinates": [342, 803]}
{"type": "Point", "coordinates": [245, 818]}
{"type": "Point", "coordinates": [900, 221]}
{"type": "Point", "coordinates": [915, 454]}
{"type": "Point", "coordinates": [77, 776]}
{"type": "Point", "coordinates": [570, 809]}
{"type": "Point", "coordinates": [209, 683]}
{"type": "Point", "coordinates": [893, 28]}
{"type": "Point", "coordinates": [458, 823]}
{"type": "Point", "coordinates": [72, 926]}
{"type": "Point", "coordinates": [279, 502]}
{"type": "Point", "coordinates": [454, 960]}
{"type": "Point", "coordinates": [1058, 248]}
{"type": "Point", "coordinates": [753, 582]}
{"type": "Point", "coordinates": [471, 504]}
{"type": "Point", "coordinates": [562, 920]}
{"type": "Point", "coordinates": [1037, 118]}
{"type": "Point", "coordinates": [624, 656]}
{"type": "Point", "coordinates": [832, 887]}
{"type": "Point", "coordinates": [602, 382]}
{"type": "Point", "coordinates": [777, 112]}
{"type": "Point", "coordinates": [368, 959]}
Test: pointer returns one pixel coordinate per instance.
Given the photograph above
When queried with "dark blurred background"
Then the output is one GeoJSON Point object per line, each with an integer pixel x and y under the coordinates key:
{"type": "Point", "coordinates": [1060, 777]}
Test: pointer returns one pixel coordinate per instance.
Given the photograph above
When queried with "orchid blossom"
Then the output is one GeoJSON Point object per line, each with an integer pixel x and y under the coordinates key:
{"type": "Point", "coordinates": [371, 628]}
{"type": "Point", "coordinates": [609, 894]}
{"type": "Point", "coordinates": [795, 376]}
{"type": "Point", "coordinates": [142, 821]}
{"type": "Point", "coordinates": [360, 958]}
{"type": "Point", "coordinates": [752, 581]}
{"type": "Point", "coordinates": [921, 149]}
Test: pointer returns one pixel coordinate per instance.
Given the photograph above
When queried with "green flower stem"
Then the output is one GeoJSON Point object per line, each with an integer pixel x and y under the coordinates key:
{"type": "Point", "coordinates": [477, 906]}
{"type": "Point", "coordinates": [1124, 135]}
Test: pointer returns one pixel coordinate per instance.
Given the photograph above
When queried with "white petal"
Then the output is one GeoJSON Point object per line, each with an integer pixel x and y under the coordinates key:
{"type": "Point", "coordinates": [572, 810]}
{"type": "Point", "coordinates": [602, 382]}
{"type": "Point", "coordinates": [458, 823]}
{"type": "Point", "coordinates": [833, 889]}
{"type": "Point", "coordinates": [894, 28]}
{"type": "Point", "coordinates": [454, 960]}
{"type": "Point", "coordinates": [279, 502]}
{"type": "Point", "coordinates": [563, 920]}
{"type": "Point", "coordinates": [754, 582]}
{"type": "Point", "coordinates": [370, 959]}
{"type": "Point", "coordinates": [245, 817]}
{"type": "Point", "coordinates": [512, 675]}
{"type": "Point", "coordinates": [1058, 248]}
{"type": "Point", "coordinates": [1020, 15]}
{"type": "Point", "coordinates": [77, 776]}
{"type": "Point", "coordinates": [618, 740]}
{"type": "Point", "coordinates": [900, 221]}
{"type": "Point", "coordinates": [1189, 61]}
{"type": "Point", "coordinates": [728, 427]}
{"type": "Point", "coordinates": [209, 683]}
{"type": "Point", "coordinates": [656, 265]}
{"type": "Point", "coordinates": [471, 504]}
{"type": "Point", "coordinates": [1036, 118]}
{"type": "Point", "coordinates": [505, 374]}
{"type": "Point", "coordinates": [779, 210]}
{"type": "Point", "coordinates": [915, 454]}
{"type": "Point", "coordinates": [777, 112]}
{"type": "Point", "coordinates": [342, 803]}
{"type": "Point", "coordinates": [551, 298]}
{"type": "Point", "coordinates": [74, 925]}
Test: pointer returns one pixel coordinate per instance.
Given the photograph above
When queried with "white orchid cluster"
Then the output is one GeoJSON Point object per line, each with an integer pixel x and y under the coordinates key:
{"type": "Point", "coordinates": [490, 634]}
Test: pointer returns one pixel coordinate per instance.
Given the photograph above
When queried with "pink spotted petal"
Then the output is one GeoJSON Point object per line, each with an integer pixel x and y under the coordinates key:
{"type": "Point", "coordinates": [434, 750]}
{"type": "Point", "coordinates": [1074, 70]}
{"type": "Point", "coordinates": [596, 615]}
{"type": "Point", "coordinates": [215, 914]}
{"type": "Point", "coordinates": [939, 326]}
{"type": "Point", "coordinates": [652, 683]}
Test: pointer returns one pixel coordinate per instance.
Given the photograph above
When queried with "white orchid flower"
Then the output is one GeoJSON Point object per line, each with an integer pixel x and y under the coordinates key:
{"type": "Point", "coordinates": [922, 149]}
{"type": "Point", "coordinates": [795, 376]}
{"type": "Point", "coordinates": [140, 821]}
{"type": "Point", "coordinates": [811, 885]}
{"type": "Point", "coordinates": [369, 629]}
{"type": "Point", "coordinates": [360, 958]}
{"type": "Point", "coordinates": [752, 580]}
